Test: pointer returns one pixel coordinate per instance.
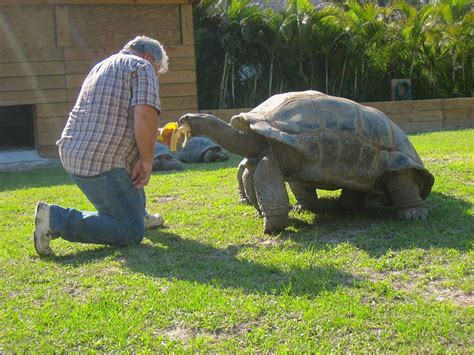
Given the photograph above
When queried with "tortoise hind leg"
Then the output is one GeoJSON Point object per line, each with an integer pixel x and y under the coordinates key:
{"type": "Point", "coordinates": [404, 189]}
{"type": "Point", "coordinates": [352, 200]}
{"type": "Point", "coordinates": [306, 197]}
{"type": "Point", "coordinates": [242, 195]}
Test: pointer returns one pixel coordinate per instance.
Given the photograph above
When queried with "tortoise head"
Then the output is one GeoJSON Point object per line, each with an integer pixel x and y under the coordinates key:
{"type": "Point", "coordinates": [199, 123]}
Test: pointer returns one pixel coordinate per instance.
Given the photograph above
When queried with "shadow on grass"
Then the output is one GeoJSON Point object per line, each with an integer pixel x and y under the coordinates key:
{"type": "Point", "coordinates": [173, 257]}
{"type": "Point", "coordinates": [449, 225]}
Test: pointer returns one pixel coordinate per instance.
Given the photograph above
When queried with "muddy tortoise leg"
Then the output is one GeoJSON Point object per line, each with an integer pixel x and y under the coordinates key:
{"type": "Point", "coordinates": [306, 197]}
{"type": "Point", "coordinates": [249, 188]}
{"type": "Point", "coordinates": [271, 195]}
{"type": "Point", "coordinates": [353, 201]}
{"type": "Point", "coordinates": [404, 190]}
{"type": "Point", "coordinates": [242, 195]}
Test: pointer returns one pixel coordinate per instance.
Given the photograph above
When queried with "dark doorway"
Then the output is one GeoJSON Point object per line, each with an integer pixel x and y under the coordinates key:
{"type": "Point", "coordinates": [16, 127]}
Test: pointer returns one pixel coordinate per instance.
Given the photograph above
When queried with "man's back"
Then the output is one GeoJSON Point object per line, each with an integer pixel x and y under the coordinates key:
{"type": "Point", "coordinates": [99, 133]}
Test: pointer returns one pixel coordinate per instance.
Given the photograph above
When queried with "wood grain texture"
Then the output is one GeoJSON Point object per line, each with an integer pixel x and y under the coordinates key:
{"type": "Point", "coordinates": [105, 26]}
{"type": "Point", "coordinates": [31, 69]}
{"type": "Point", "coordinates": [62, 26]}
{"type": "Point", "coordinates": [187, 33]}
{"type": "Point", "coordinates": [30, 27]}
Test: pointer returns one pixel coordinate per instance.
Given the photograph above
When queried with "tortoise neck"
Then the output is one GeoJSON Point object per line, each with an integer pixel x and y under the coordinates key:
{"type": "Point", "coordinates": [248, 145]}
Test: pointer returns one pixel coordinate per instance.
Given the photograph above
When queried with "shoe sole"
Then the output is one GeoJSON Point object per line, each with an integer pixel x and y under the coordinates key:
{"type": "Point", "coordinates": [35, 237]}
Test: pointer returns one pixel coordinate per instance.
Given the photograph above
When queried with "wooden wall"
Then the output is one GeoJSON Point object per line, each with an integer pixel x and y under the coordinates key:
{"type": "Point", "coordinates": [411, 116]}
{"type": "Point", "coordinates": [48, 47]}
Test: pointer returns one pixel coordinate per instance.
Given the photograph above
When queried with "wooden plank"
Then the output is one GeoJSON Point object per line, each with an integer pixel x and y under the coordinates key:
{"type": "Point", "coordinates": [463, 102]}
{"type": "Point", "coordinates": [54, 109]}
{"type": "Point", "coordinates": [10, 98]}
{"type": "Point", "coordinates": [117, 24]}
{"type": "Point", "coordinates": [456, 124]}
{"type": "Point", "coordinates": [62, 26]}
{"type": "Point", "coordinates": [187, 33]}
{"type": "Point", "coordinates": [48, 138]}
{"type": "Point", "coordinates": [421, 126]}
{"type": "Point", "coordinates": [406, 106]}
{"type": "Point", "coordinates": [33, 54]}
{"type": "Point", "coordinates": [51, 124]}
{"type": "Point", "coordinates": [182, 64]}
{"type": "Point", "coordinates": [48, 151]}
{"type": "Point", "coordinates": [458, 114]}
{"type": "Point", "coordinates": [32, 83]}
{"type": "Point", "coordinates": [79, 66]}
{"type": "Point", "coordinates": [179, 103]}
{"type": "Point", "coordinates": [31, 69]}
{"type": "Point", "coordinates": [417, 116]}
{"type": "Point", "coordinates": [173, 77]}
{"type": "Point", "coordinates": [171, 90]}
{"type": "Point", "coordinates": [27, 27]}
{"type": "Point", "coordinates": [184, 51]}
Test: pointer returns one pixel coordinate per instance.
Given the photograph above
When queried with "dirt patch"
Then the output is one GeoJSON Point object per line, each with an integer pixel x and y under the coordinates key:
{"type": "Point", "coordinates": [165, 199]}
{"type": "Point", "coordinates": [431, 290]}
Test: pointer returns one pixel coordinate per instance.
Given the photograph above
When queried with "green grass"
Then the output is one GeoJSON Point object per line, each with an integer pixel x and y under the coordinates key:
{"type": "Point", "coordinates": [212, 281]}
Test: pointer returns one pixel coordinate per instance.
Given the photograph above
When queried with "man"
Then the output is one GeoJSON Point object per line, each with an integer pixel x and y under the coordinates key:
{"type": "Point", "coordinates": [107, 147]}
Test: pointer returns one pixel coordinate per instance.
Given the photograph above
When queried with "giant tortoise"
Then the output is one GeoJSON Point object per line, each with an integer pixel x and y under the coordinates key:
{"type": "Point", "coordinates": [163, 159]}
{"type": "Point", "coordinates": [316, 141]}
{"type": "Point", "coordinates": [201, 149]}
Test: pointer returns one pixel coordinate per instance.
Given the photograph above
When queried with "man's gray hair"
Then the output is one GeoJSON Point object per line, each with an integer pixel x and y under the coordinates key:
{"type": "Point", "coordinates": [144, 45]}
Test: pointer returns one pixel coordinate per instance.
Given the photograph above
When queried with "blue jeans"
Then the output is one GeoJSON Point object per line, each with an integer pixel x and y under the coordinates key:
{"type": "Point", "coordinates": [119, 217]}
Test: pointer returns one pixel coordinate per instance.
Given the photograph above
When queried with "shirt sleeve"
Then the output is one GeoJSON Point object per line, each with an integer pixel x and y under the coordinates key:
{"type": "Point", "coordinates": [145, 88]}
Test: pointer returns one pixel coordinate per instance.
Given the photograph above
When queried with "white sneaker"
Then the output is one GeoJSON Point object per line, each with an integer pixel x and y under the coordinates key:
{"type": "Point", "coordinates": [153, 220]}
{"type": "Point", "coordinates": [42, 234]}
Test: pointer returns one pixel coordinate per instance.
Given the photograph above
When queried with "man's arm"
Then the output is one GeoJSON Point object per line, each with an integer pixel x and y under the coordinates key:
{"type": "Point", "coordinates": [146, 128]}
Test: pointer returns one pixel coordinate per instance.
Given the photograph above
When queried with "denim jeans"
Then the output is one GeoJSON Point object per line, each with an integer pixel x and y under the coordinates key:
{"type": "Point", "coordinates": [119, 217]}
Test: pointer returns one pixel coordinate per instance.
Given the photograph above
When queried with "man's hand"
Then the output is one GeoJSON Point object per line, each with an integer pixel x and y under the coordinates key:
{"type": "Point", "coordinates": [141, 173]}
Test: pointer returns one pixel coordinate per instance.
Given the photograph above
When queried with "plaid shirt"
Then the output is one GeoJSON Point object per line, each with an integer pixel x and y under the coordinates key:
{"type": "Point", "coordinates": [99, 134]}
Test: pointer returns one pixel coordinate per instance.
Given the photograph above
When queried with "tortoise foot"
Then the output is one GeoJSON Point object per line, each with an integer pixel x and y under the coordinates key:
{"type": "Point", "coordinates": [413, 214]}
{"type": "Point", "coordinates": [274, 224]}
{"type": "Point", "coordinates": [244, 201]}
{"type": "Point", "coordinates": [301, 207]}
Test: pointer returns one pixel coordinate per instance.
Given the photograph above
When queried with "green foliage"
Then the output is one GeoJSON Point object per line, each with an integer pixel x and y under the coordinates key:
{"type": "Point", "coordinates": [246, 54]}
{"type": "Point", "coordinates": [211, 282]}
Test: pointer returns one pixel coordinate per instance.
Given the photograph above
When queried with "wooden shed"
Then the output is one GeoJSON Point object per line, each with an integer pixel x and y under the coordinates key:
{"type": "Point", "coordinates": [49, 46]}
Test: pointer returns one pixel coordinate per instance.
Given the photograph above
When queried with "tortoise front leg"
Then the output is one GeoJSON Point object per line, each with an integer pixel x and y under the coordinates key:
{"type": "Point", "coordinates": [306, 197]}
{"type": "Point", "coordinates": [271, 195]}
{"type": "Point", "coordinates": [403, 187]}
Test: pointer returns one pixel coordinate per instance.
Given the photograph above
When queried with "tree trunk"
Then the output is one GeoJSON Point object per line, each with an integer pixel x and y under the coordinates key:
{"type": "Point", "coordinates": [355, 84]}
{"type": "Point", "coordinates": [255, 89]}
{"type": "Point", "coordinates": [342, 77]}
{"type": "Point", "coordinates": [233, 85]}
{"type": "Point", "coordinates": [223, 80]}
{"type": "Point", "coordinates": [270, 79]}
{"type": "Point", "coordinates": [327, 74]}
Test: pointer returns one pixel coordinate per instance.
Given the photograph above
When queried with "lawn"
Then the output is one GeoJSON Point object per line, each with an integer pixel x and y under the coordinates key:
{"type": "Point", "coordinates": [212, 281]}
